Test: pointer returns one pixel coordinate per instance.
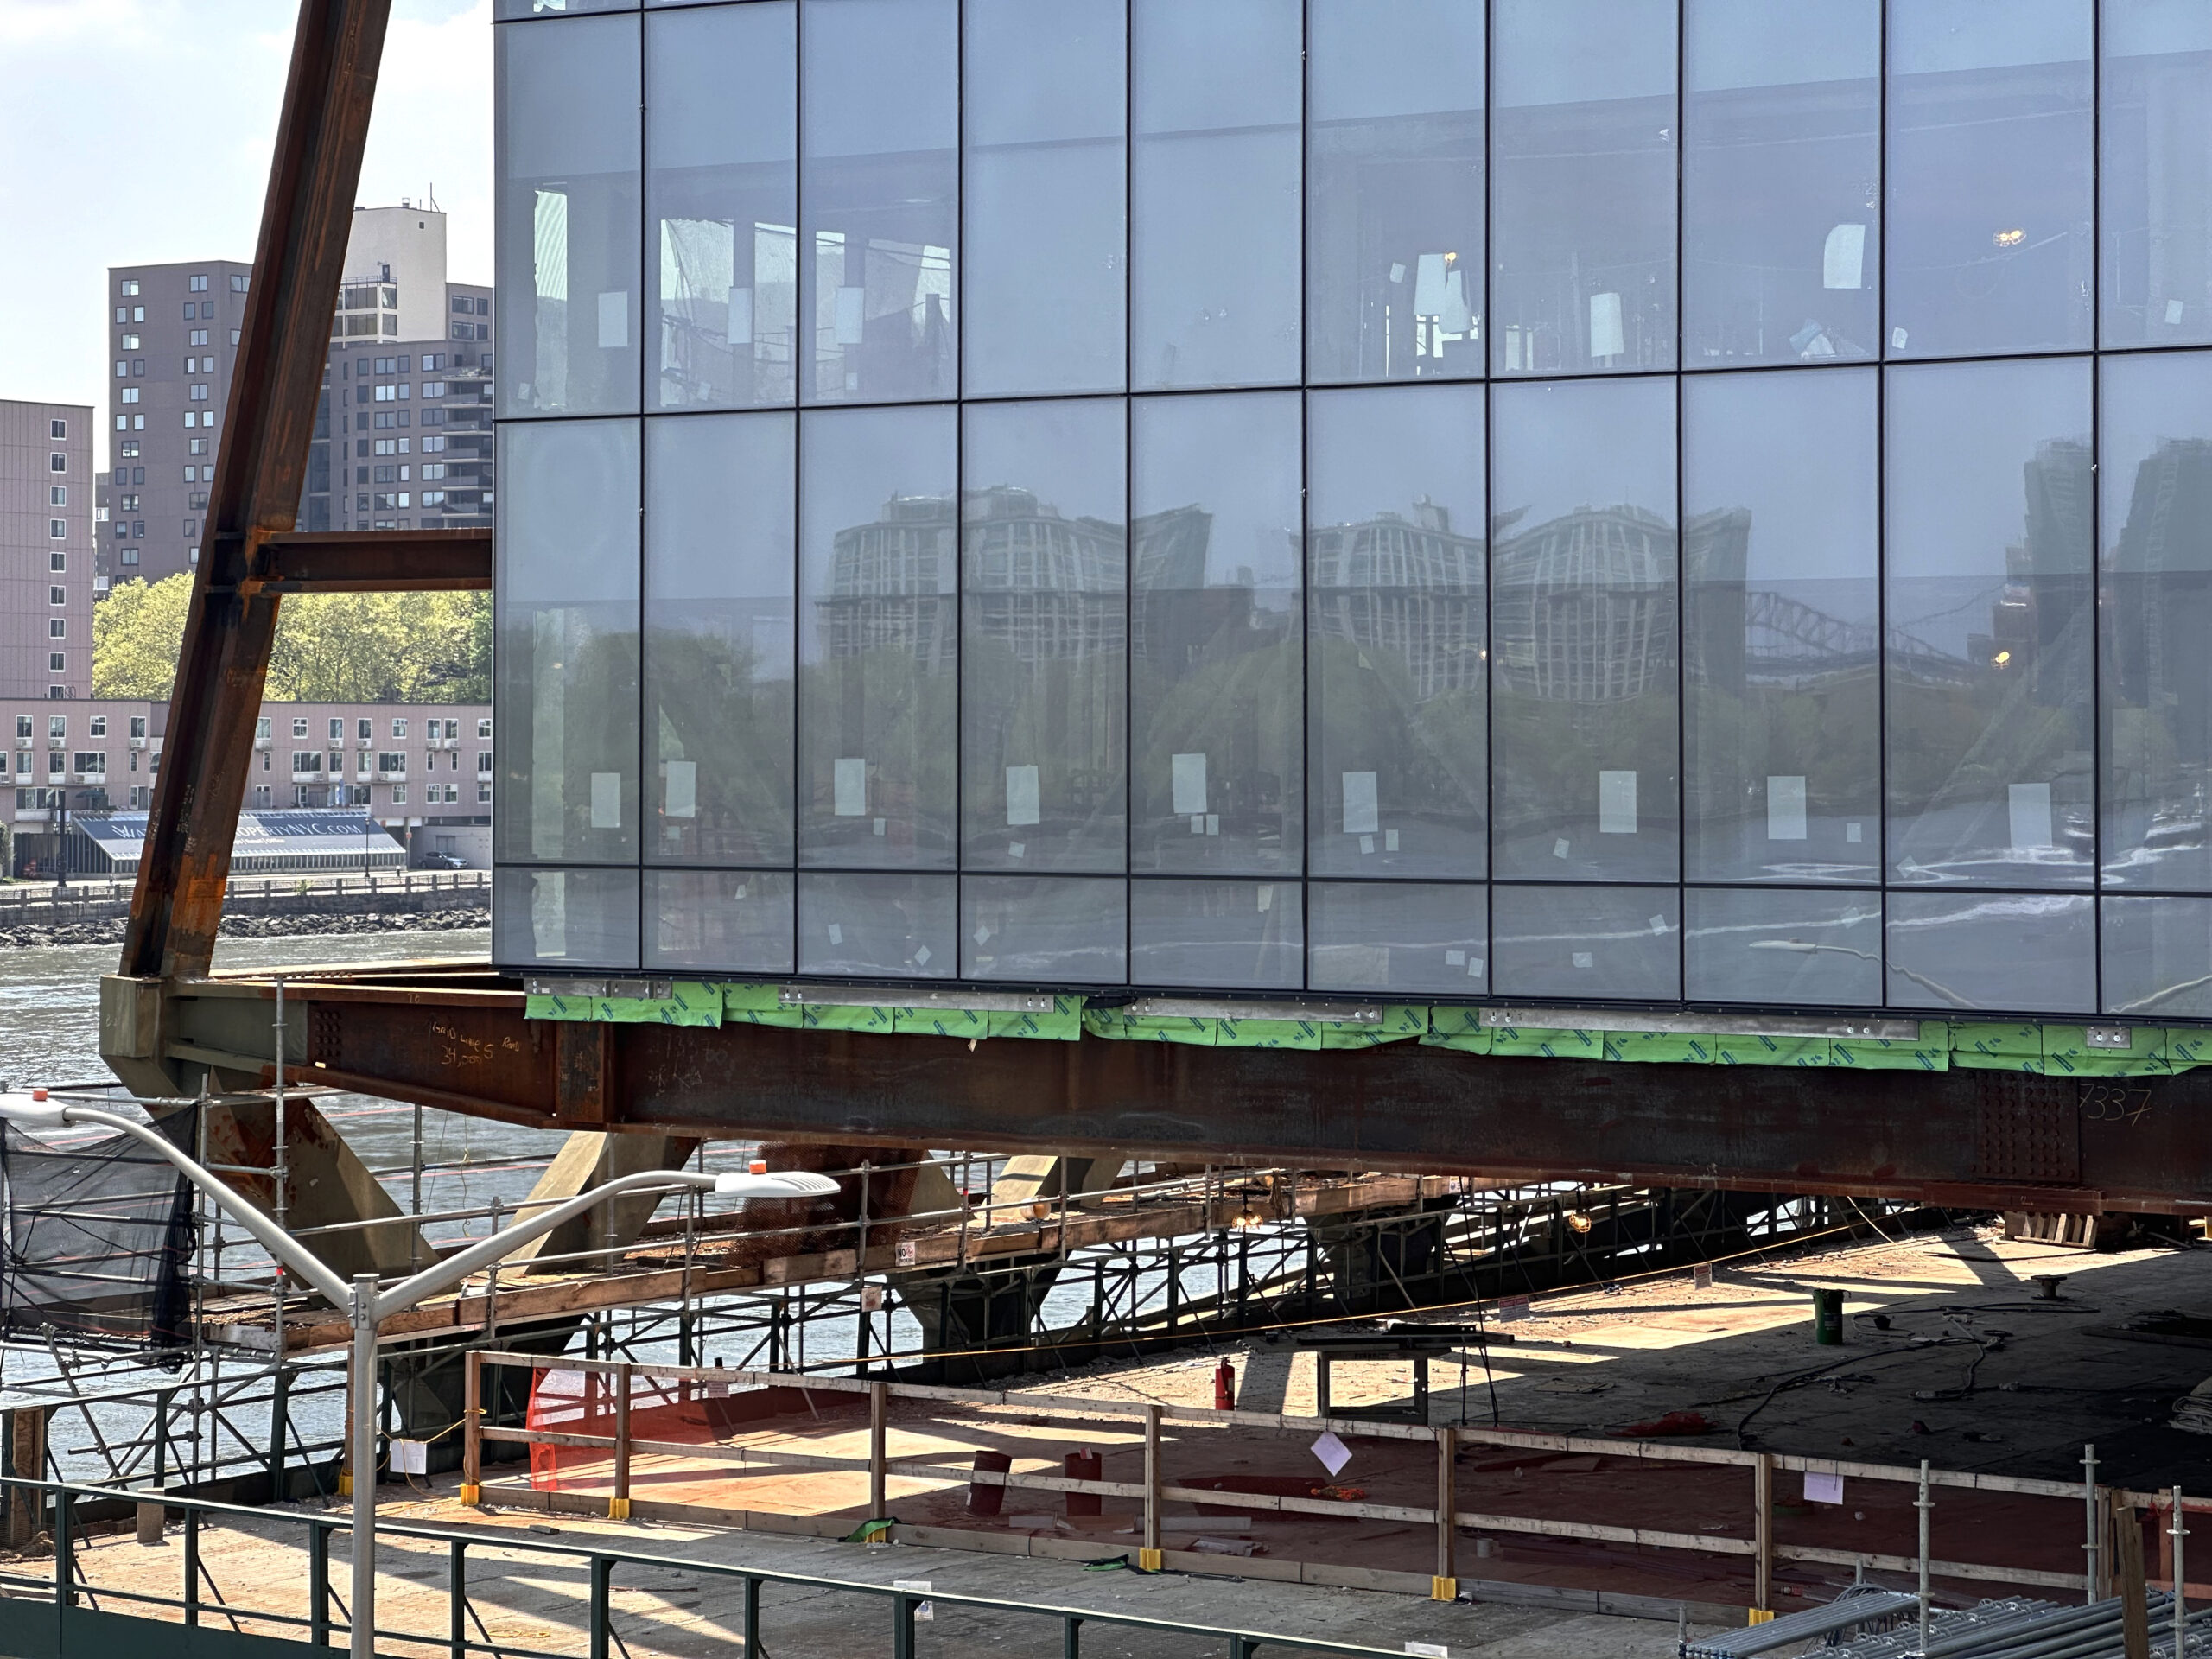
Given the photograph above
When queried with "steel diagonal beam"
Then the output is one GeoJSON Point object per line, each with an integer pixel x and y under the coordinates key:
{"type": "Point", "coordinates": [259, 469]}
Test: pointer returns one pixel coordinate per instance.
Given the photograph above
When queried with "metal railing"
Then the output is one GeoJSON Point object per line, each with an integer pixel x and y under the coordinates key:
{"type": "Point", "coordinates": [323, 1619]}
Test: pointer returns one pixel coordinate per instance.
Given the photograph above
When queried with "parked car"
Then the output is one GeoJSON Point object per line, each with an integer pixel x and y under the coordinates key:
{"type": "Point", "coordinates": [442, 862]}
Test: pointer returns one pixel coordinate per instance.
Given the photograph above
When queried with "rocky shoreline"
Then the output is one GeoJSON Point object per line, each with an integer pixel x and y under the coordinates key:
{"type": "Point", "coordinates": [109, 931]}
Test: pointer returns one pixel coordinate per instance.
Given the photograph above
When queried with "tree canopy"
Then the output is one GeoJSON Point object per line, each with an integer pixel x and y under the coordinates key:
{"type": "Point", "coordinates": [329, 648]}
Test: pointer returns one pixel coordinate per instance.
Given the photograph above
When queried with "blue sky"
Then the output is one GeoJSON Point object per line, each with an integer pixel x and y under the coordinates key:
{"type": "Point", "coordinates": [100, 95]}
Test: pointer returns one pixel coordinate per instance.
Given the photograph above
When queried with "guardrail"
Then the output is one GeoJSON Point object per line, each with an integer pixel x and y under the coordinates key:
{"type": "Point", "coordinates": [82, 890]}
{"type": "Point", "coordinates": [82, 1627]}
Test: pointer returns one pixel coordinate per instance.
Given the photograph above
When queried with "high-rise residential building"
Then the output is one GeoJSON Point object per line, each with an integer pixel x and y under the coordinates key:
{"type": "Point", "coordinates": [46, 550]}
{"type": "Point", "coordinates": [175, 333]}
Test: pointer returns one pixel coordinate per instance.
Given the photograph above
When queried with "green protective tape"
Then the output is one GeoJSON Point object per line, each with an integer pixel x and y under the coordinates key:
{"type": "Point", "coordinates": [1662, 1048]}
{"type": "Point", "coordinates": [1964, 1059]}
{"type": "Point", "coordinates": [880, 1022]}
{"type": "Point", "coordinates": [1995, 1041]}
{"type": "Point", "coordinates": [2067, 1053]}
{"type": "Point", "coordinates": [1118, 1027]}
{"type": "Point", "coordinates": [1455, 1023]}
{"type": "Point", "coordinates": [1268, 1033]}
{"type": "Point", "coordinates": [1931, 1053]}
{"type": "Point", "coordinates": [1758, 1049]}
{"type": "Point", "coordinates": [1538, 1043]}
{"type": "Point", "coordinates": [753, 999]}
{"type": "Point", "coordinates": [967, 1023]}
{"type": "Point", "coordinates": [558, 1007]}
{"type": "Point", "coordinates": [1400, 1024]}
{"type": "Point", "coordinates": [2188, 1045]}
{"type": "Point", "coordinates": [1063, 1024]}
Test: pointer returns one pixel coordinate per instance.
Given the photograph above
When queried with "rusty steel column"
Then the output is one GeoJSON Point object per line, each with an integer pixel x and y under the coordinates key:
{"type": "Point", "coordinates": [260, 468]}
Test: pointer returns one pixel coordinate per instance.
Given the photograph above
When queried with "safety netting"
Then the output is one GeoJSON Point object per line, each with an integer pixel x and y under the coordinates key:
{"type": "Point", "coordinates": [98, 1237]}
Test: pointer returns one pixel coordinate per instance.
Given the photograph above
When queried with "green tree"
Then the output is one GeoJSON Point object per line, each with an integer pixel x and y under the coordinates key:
{"type": "Point", "coordinates": [329, 647]}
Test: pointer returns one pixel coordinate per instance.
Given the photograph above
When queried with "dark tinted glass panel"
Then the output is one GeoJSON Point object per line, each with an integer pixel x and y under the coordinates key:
{"type": "Point", "coordinates": [1215, 177]}
{"type": "Point", "coordinates": [1990, 495]}
{"type": "Point", "coordinates": [1394, 188]}
{"type": "Point", "coordinates": [880, 168]}
{"type": "Point", "coordinates": [1784, 949]}
{"type": "Point", "coordinates": [2155, 698]}
{"type": "Point", "coordinates": [2019, 953]}
{"type": "Point", "coordinates": [1046, 230]}
{"type": "Point", "coordinates": [2158, 958]}
{"type": "Point", "coordinates": [1782, 111]}
{"type": "Point", "coordinates": [1395, 665]}
{"type": "Point", "coordinates": [1989, 171]}
{"type": "Point", "coordinates": [1045, 620]}
{"type": "Point", "coordinates": [567, 98]}
{"type": "Point", "coordinates": [720, 921]}
{"type": "Point", "coordinates": [1214, 717]}
{"type": "Point", "coordinates": [719, 569]}
{"type": "Point", "coordinates": [2155, 172]}
{"type": "Point", "coordinates": [1233, 934]}
{"type": "Point", "coordinates": [1398, 936]}
{"type": "Point", "coordinates": [721, 203]}
{"type": "Point", "coordinates": [1052, 931]}
{"type": "Point", "coordinates": [565, 919]}
{"type": "Point", "coordinates": [1584, 942]}
{"type": "Point", "coordinates": [1782, 627]}
{"type": "Point", "coordinates": [567, 644]}
{"type": "Point", "coordinates": [1582, 208]}
{"type": "Point", "coordinates": [886, 926]}
{"type": "Point", "coordinates": [878, 638]}
{"type": "Point", "coordinates": [1584, 660]}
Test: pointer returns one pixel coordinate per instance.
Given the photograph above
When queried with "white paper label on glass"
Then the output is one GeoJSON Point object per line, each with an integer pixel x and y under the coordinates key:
{"type": "Point", "coordinates": [1616, 803]}
{"type": "Point", "coordinates": [878, 826]}
{"type": "Point", "coordinates": [983, 934]}
{"type": "Point", "coordinates": [2029, 805]}
{"type": "Point", "coordinates": [1197, 823]}
{"type": "Point", "coordinates": [741, 316]}
{"type": "Point", "coordinates": [614, 321]}
{"type": "Point", "coordinates": [1020, 796]}
{"type": "Point", "coordinates": [836, 934]}
{"type": "Point", "coordinates": [1658, 923]}
{"type": "Point", "coordinates": [1389, 841]}
{"type": "Point", "coordinates": [1266, 898]}
{"type": "Point", "coordinates": [1428, 284]}
{"type": "Point", "coordinates": [849, 788]}
{"type": "Point", "coordinates": [682, 789]}
{"type": "Point", "coordinates": [2173, 313]}
{"type": "Point", "coordinates": [606, 800]}
{"type": "Point", "coordinates": [1474, 967]}
{"type": "Point", "coordinates": [1017, 849]}
{"type": "Point", "coordinates": [1785, 808]}
{"type": "Point", "coordinates": [1398, 271]}
{"type": "Point", "coordinates": [1455, 958]}
{"type": "Point", "coordinates": [1559, 848]}
{"type": "Point", "coordinates": [849, 319]}
{"type": "Point", "coordinates": [1187, 774]}
{"type": "Point", "coordinates": [1213, 823]}
{"type": "Point", "coordinates": [1606, 338]}
{"type": "Point", "coordinates": [1897, 339]}
{"type": "Point", "coordinates": [1852, 833]}
{"type": "Point", "coordinates": [1366, 845]}
{"type": "Point", "coordinates": [548, 913]}
{"type": "Point", "coordinates": [1583, 959]}
{"type": "Point", "coordinates": [921, 956]}
{"type": "Point", "coordinates": [1362, 816]}
{"type": "Point", "coordinates": [1843, 261]}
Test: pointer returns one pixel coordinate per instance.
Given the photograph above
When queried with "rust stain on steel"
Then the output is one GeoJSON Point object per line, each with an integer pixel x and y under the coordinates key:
{"type": "Point", "coordinates": [260, 466]}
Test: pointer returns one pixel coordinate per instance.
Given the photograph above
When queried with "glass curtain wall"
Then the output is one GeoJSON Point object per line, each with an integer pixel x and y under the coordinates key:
{"type": "Point", "coordinates": [1562, 500]}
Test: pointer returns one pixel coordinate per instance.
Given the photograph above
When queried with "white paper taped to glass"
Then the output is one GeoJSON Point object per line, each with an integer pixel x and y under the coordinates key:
{"type": "Point", "coordinates": [2029, 808]}
{"type": "Point", "coordinates": [1785, 808]}
{"type": "Point", "coordinates": [1187, 775]}
{"type": "Point", "coordinates": [1020, 796]}
{"type": "Point", "coordinates": [682, 794]}
{"type": "Point", "coordinates": [606, 800]}
{"type": "Point", "coordinates": [1616, 803]}
{"type": "Point", "coordinates": [849, 788]}
{"type": "Point", "coordinates": [1362, 816]}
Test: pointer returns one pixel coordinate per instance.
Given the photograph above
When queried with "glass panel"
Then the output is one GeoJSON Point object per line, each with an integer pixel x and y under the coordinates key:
{"type": "Point", "coordinates": [880, 179]}
{"type": "Point", "coordinates": [1393, 190]}
{"type": "Point", "coordinates": [1229, 935]}
{"type": "Point", "coordinates": [2156, 475]}
{"type": "Point", "coordinates": [720, 567]}
{"type": "Point", "coordinates": [2012, 953]}
{"type": "Point", "coordinates": [1397, 663]}
{"type": "Point", "coordinates": [1990, 491]}
{"type": "Point", "coordinates": [1048, 931]}
{"type": "Point", "coordinates": [723, 921]}
{"type": "Point", "coordinates": [1045, 234]}
{"type": "Point", "coordinates": [1215, 181]}
{"type": "Point", "coordinates": [565, 919]}
{"type": "Point", "coordinates": [1784, 949]}
{"type": "Point", "coordinates": [722, 139]}
{"type": "Point", "coordinates": [878, 708]}
{"type": "Point", "coordinates": [1045, 658]}
{"type": "Point", "coordinates": [2158, 957]}
{"type": "Point", "coordinates": [2156, 172]}
{"type": "Point", "coordinates": [1215, 742]}
{"type": "Point", "coordinates": [568, 244]}
{"type": "Point", "coordinates": [1584, 667]}
{"type": "Point", "coordinates": [1582, 208]}
{"type": "Point", "coordinates": [1782, 629]}
{"type": "Point", "coordinates": [1582, 942]}
{"type": "Point", "coordinates": [567, 644]}
{"type": "Point", "coordinates": [1990, 155]}
{"type": "Point", "coordinates": [895, 926]}
{"type": "Point", "coordinates": [1782, 171]}
{"type": "Point", "coordinates": [1394, 936]}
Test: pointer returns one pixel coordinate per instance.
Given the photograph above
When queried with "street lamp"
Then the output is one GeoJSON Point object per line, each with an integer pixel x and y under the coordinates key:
{"type": "Point", "coordinates": [367, 1308]}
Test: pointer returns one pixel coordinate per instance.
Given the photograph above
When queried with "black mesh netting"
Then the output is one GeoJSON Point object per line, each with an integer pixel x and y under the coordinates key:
{"type": "Point", "coordinates": [99, 1237]}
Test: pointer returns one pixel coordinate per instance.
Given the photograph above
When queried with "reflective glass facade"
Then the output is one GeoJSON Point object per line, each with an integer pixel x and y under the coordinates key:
{"type": "Point", "coordinates": [1567, 500]}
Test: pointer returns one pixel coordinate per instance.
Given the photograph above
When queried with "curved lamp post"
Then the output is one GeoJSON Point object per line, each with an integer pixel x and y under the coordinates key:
{"type": "Point", "coordinates": [367, 1307]}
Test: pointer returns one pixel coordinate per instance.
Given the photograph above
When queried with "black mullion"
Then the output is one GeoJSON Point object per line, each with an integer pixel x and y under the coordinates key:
{"type": "Point", "coordinates": [2097, 745]}
{"type": "Point", "coordinates": [959, 482]}
{"type": "Point", "coordinates": [1306, 779]}
{"type": "Point", "coordinates": [1490, 512]}
{"type": "Point", "coordinates": [646, 312]}
{"type": "Point", "coordinates": [1882, 488]}
{"type": "Point", "coordinates": [802, 368]}
{"type": "Point", "coordinates": [1129, 489]}
{"type": "Point", "coordinates": [1681, 529]}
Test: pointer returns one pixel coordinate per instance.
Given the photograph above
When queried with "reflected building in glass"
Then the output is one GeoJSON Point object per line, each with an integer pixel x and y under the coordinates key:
{"type": "Point", "coordinates": [1591, 501]}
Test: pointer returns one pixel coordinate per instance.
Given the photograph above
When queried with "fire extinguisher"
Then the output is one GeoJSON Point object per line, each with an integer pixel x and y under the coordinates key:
{"type": "Point", "coordinates": [1224, 1386]}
